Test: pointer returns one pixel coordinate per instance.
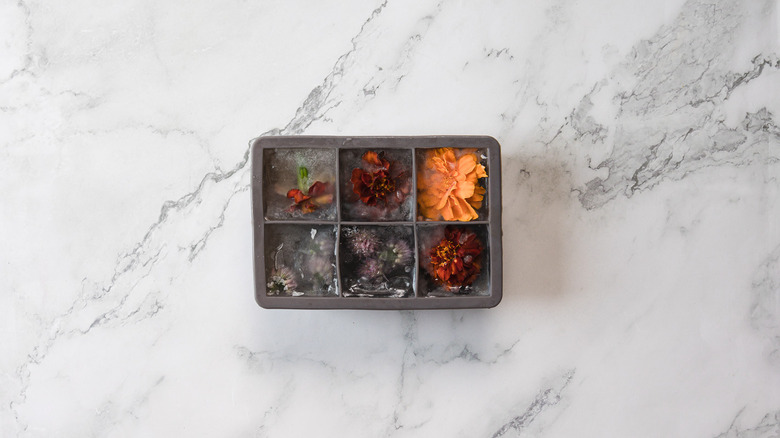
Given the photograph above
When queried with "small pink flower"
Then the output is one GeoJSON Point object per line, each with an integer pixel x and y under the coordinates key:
{"type": "Point", "coordinates": [363, 242]}
{"type": "Point", "coordinates": [396, 254]}
{"type": "Point", "coordinates": [371, 269]}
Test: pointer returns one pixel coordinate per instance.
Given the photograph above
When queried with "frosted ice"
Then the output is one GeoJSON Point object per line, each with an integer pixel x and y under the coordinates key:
{"type": "Point", "coordinates": [300, 259]}
{"type": "Point", "coordinates": [376, 184]}
{"type": "Point", "coordinates": [377, 261]}
{"type": "Point", "coordinates": [299, 184]}
{"type": "Point", "coordinates": [431, 236]}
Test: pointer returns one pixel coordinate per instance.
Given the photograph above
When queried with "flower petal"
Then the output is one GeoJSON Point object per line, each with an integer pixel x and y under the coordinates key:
{"type": "Point", "coordinates": [324, 199]}
{"type": "Point", "coordinates": [439, 165]}
{"type": "Point", "coordinates": [476, 199]}
{"type": "Point", "coordinates": [445, 196]}
{"type": "Point", "coordinates": [297, 195]}
{"type": "Point", "coordinates": [467, 212]}
{"type": "Point", "coordinates": [357, 175]}
{"type": "Point", "coordinates": [318, 188]}
{"type": "Point", "coordinates": [480, 170]}
{"type": "Point", "coordinates": [446, 211]}
{"type": "Point", "coordinates": [372, 157]}
{"type": "Point", "coordinates": [447, 154]}
{"type": "Point", "coordinates": [464, 190]}
{"type": "Point", "coordinates": [467, 163]}
{"type": "Point", "coordinates": [457, 210]}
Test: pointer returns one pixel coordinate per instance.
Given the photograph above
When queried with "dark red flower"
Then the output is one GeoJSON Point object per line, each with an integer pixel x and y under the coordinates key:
{"type": "Point", "coordinates": [377, 183]}
{"type": "Point", "coordinates": [319, 194]}
{"type": "Point", "coordinates": [457, 259]}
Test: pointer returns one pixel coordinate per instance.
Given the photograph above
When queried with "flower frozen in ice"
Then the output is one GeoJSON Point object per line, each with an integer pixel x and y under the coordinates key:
{"type": "Point", "coordinates": [380, 181]}
{"type": "Point", "coordinates": [448, 185]}
{"type": "Point", "coordinates": [457, 259]}
{"type": "Point", "coordinates": [363, 242]}
{"type": "Point", "coordinates": [371, 269]}
{"type": "Point", "coordinates": [282, 281]}
{"type": "Point", "coordinates": [318, 195]}
{"type": "Point", "coordinates": [395, 254]}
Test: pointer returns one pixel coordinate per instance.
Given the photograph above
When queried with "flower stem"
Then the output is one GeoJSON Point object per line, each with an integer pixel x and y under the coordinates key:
{"type": "Point", "coordinates": [303, 179]}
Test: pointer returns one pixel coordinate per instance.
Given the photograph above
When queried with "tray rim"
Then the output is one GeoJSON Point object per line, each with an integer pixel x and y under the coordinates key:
{"type": "Point", "coordinates": [413, 143]}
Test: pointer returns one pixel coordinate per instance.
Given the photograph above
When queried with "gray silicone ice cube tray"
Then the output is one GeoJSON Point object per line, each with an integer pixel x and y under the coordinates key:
{"type": "Point", "coordinates": [284, 235]}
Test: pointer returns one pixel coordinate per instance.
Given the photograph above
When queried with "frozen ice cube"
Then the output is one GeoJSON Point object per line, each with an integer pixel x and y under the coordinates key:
{"type": "Point", "coordinates": [377, 261]}
{"type": "Point", "coordinates": [299, 184]}
{"type": "Point", "coordinates": [452, 184]}
{"type": "Point", "coordinates": [376, 184]}
{"type": "Point", "coordinates": [454, 260]}
{"type": "Point", "coordinates": [300, 259]}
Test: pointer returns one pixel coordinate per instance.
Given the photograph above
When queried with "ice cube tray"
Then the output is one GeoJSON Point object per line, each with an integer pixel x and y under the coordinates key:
{"type": "Point", "coordinates": [334, 250]}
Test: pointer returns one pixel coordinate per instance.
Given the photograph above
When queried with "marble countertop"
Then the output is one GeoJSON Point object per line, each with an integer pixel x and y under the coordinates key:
{"type": "Point", "coordinates": [641, 180]}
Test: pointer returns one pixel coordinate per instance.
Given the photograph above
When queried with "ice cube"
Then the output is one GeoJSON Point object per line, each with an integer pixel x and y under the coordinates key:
{"type": "Point", "coordinates": [454, 260]}
{"type": "Point", "coordinates": [376, 184]}
{"type": "Point", "coordinates": [299, 184]}
{"type": "Point", "coordinates": [452, 184]}
{"type": "Point", "coordinates": [377, 261]}
{"type": "Point", "coordinates": [300, 259]}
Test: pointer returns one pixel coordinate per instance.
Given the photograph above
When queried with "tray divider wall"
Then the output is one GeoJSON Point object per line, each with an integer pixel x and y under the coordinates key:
{"type": "Point", "coordinates": [416, 275]}
{"type": "Point", "coordinates": [338, 223]}
{"type": "Point", "coordinates": [338, 261]}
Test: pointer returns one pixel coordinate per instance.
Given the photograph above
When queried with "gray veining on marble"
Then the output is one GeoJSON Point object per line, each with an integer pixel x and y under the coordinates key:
{"type": "Point", "coordinates": [641, 166]}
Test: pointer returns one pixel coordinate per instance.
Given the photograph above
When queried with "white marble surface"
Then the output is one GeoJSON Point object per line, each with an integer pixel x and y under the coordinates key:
{"type": "Point", "coordinates": [641, 165]}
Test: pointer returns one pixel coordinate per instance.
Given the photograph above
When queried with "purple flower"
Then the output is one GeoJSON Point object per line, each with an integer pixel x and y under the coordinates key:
{"type": "Point", "coordinates": [362, 242]}
{"type": "Point", "coordinates": [371, 269]}
{"type": "Point", "coordinates": [396, 254]}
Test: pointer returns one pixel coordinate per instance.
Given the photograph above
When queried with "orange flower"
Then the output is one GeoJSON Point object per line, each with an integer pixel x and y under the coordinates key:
{"type": "Point", "coordinates": [320, 193]}
{"type": "Point", "coordinates": [448, 186]}
{"type": "Point", "coordinates": [457, 259]}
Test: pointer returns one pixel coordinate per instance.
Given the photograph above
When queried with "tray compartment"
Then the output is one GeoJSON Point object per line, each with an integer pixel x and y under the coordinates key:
{"type": "Point", "coordinates": [376, 184]}
{"type": "Point", "coordinates": [454, 259]}
{"type": "Point", "coordinates": [300, 260]}
{"type": "Point", "coordinates": [377, 260]}
{"type": "Point", "coordinates": [452, 183]}
{"type": "Point", "coordinates": [310, 172]}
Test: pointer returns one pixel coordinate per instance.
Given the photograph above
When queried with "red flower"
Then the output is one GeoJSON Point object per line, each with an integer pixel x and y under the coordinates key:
{"type": "Point", "coordinates": [319, 194]}
{"type": "Point", "coordinates": [378, 183]}
{"type": "Point", "coordinates": [457, 259]}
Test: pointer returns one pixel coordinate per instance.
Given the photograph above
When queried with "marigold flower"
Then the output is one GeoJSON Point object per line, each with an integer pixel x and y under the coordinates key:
{"type": "Point", "coordinates": [457, 259]}
{"type": "Point", "coordinates": [448, 185]}
{"type": "Point", "coordinates": [380, 182]}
